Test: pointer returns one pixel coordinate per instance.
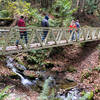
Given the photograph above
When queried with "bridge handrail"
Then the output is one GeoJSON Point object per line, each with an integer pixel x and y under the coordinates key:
{"type": "Point", "coordinates": [56, 36]}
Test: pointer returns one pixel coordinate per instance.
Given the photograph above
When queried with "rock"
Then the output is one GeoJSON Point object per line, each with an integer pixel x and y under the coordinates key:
{"type": "Point", "coordinates": [30, 67]}
{"type": "Point", "coordinates": [30, 73]}
{"type": "Point", "coordinates": [71, 69]}
{"type": "Point", "coordinates": [69, 78]}
{"type": "Point", "coordinates": [49, 65]}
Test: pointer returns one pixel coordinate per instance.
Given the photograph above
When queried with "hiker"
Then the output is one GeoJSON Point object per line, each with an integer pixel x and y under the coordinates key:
{"type": "Point", "coordinates": [23, 33]}
{"type": "Point", "coordinates": [77, 26]}
{"type": "Point", "coordinates": [71, 28]}
{"type": "Point", "coordinates": [45, 23]}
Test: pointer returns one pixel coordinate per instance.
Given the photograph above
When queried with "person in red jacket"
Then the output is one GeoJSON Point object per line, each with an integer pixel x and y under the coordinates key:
{"type": "Point", "coordinates": [23, 33]}
{"type": "Point", "coordinates": [71, 28]}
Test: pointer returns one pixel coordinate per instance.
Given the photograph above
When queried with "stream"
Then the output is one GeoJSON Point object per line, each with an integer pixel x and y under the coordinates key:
{"type": "Point", "coordinates": [73, 94]}
{"type": "Point", "coordinates": [11, 64]}
{"type": "Point", "coordinates": [62, 89]}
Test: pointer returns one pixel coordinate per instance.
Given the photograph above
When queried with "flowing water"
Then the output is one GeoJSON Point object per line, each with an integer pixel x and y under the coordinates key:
{"type": "Point", "coordinates": [72, 94]}
{"type": "Point", "coordinates": [11, 64]}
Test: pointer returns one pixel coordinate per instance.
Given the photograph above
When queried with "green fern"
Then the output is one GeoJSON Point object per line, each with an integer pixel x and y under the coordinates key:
{"type": "Point", "coordinates": [87, 96]}
{"type": "Point", "coordinates": [62, 9]}
{"type": "Point", "coordinates": [45, 92]}
{"type": "Point", "coordinates": [4, 14]}
{"type": "Point", "coordinates": [46, 95]}
{"type": "Point", "coordinates": [3, 93]}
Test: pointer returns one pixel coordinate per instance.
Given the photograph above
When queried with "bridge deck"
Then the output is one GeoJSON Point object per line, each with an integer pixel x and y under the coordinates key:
{"type": "Point", "coordinates": [56, 37]}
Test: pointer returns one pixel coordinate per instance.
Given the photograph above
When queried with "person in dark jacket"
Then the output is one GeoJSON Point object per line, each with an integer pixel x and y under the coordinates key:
{"type": "Point", "coordinates": [77, 26]}
{"type": "Point", "coordinates": [45, 23]}
{"type": "Point", "coordinates": [23, 33]}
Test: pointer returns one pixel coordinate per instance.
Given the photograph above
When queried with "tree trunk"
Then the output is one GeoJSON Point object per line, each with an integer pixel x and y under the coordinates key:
{"type": "Point", "coordinates": [81, 4]}
{"type": "Point", "coordinates": [46, 3]}
{"type": "Point", "coordinates": [77, 3]}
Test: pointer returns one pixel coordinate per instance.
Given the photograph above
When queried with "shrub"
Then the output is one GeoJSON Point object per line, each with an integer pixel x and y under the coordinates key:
{"type": "Point", "coordinates": [46, 95]}
{"type": "Point", "coordinates": [3, 93]}
{"type": "Point", "coordinates": [62, 9]}
{"type": "Point", "coordinates": [87, 96]}
{"type": "Point", "coordinates": [4, 14]}
{"type": "Point", "coordinates": [19, 8]}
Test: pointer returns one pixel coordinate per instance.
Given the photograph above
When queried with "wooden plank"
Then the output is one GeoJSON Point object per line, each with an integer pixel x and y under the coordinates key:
{"type": "Point", "coordinates": [84, 33]}
{"type": "Point", "coordinates": [46, 38]}
{"type": "Point", "coordinates": [39, 38]}
{"type": "Point", "coordinates": [60, 36]}
{"type": "Point", "coordinates": [65, 32]}
{"type": "Point", "coordinates": [54, 38]}
{"type": "Point", "coordinates": [31, 38]}
{"type": "Point", "coordinates": [97, 33]}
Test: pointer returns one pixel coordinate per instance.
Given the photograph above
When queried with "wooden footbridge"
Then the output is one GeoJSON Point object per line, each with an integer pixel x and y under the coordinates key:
{"type": "Point", "coordinates": [55, 37]}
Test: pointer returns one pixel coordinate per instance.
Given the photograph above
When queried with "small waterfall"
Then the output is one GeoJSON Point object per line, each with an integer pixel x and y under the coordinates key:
{"type": "Point", "coordinates": [11, 64]}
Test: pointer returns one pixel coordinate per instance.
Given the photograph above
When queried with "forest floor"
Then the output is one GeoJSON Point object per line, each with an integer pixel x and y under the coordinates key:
{"type": "Point", "coordinates": [80, 62]}
{"type": "Point", "coordinates": [77, 62]}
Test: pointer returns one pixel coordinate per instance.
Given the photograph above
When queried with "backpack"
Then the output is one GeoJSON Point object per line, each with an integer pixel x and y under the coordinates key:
{"type": "Point", "coordinates": [77, 25]}
{"type": "Point", "coordinates": [44, 23]}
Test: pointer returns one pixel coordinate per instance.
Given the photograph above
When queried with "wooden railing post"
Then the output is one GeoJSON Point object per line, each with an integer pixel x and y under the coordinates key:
{"type": "Point", "coordinates": [7, 38]}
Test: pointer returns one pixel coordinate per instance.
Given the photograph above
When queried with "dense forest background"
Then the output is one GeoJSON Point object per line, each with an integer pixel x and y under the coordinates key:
{"type": "Point", "coordinates": [61, 12]}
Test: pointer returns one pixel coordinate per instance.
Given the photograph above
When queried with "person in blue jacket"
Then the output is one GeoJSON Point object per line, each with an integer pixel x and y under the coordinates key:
{"type": "Point", "coordinates": [77, 26]}
{"type": "Point", "coordinates": [45, 23]}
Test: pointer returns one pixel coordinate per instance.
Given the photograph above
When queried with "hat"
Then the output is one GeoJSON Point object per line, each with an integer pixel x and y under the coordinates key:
{"type": "Point", "coordinates": [46, 17]}
{"type": "Point", "coordinates": [21, 16]}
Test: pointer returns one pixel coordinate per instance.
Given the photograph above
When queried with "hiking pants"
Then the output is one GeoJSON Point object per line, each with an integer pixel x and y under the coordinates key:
{"type": "Point", "coordinates": [44, 35]}
{"type": "Point", "coordinates": [24, 34]}
{"type": "Point", "coordinates": [73, 35]}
